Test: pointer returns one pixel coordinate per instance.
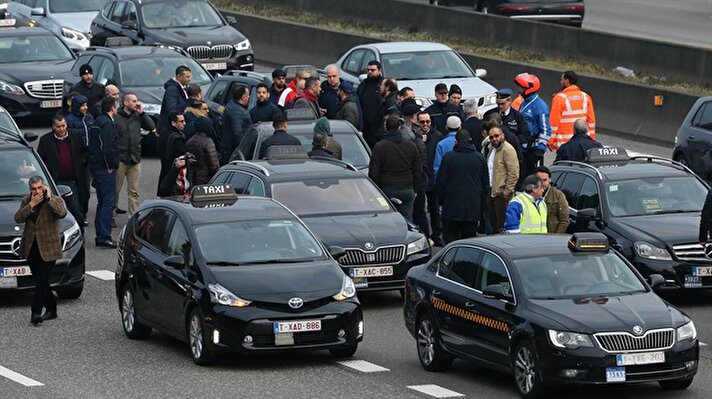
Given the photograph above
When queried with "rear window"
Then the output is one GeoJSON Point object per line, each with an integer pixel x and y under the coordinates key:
{"type": "Point", "coordinates": [61, 6]}
{"type": "Point", "coordinates": [330, 196]}
{"type": "Point", "coordinates": [33, 49]}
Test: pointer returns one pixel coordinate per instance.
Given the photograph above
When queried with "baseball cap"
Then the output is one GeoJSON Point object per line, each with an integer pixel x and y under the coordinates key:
{"type": "Point", "coordinates": [453, 122]}
{"type": "Point", "coordinates": [85, 69]}
{"type": "Point", "coordinates": [441, 88]}
{"type": "Point", "coordinates": [503, 95]}
{"type": "Point", "coordinates": [347, 87]}
{"type": "Point", "coordinates": [410, 109]}
{"type": "Point", "coordinates": [278, 73]}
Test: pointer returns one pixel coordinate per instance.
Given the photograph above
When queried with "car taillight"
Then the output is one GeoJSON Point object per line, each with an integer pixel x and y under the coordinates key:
{"type": "Point", "coordinates": [513, 8]}
{"type": "Point", "coordinates": [574, 8]}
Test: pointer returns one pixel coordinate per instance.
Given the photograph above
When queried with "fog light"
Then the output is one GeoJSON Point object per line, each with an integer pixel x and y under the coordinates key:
{"type": "Point", "coordinates": [360, 327]}
{"type": "Point", "coordinates": [216, 336]}
{"type": "Point", "coordinates": [571, 373]}
{"type": "Point", "coordinates": [691, 365]}
{"type": "Point", "coordinates": [341, 333]}
{"type": "Point", "coordinates": [247, 339]}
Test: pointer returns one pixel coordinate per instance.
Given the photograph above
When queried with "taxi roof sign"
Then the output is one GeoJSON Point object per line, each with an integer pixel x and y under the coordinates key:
{"type": "Point", "coordinates": [588, 242]}
{"type": "Point", "coordinates": [607, 154]}
{"type": "Point", "coordinates": [213, 193]}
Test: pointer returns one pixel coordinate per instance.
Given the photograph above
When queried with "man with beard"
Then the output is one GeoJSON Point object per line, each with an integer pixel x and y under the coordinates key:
{"type": "Point", "coordinates": [503, 168]}
{"type": "Point", "coordinates": [389, 91]}
{"type": "Point", "coordinates": [309, 97]}
{"type": "Point", "coordinates": [369, 96]}
{"type": "Point", "coordinates": [431, 137]}
{"type": "Point", "coordinates": [87, 87]}
{"type": "Point", "coordinates": [278, 85]}
{"type": "Point", "coordinates": [349, 108]}
{"type": "Point", "coordinates": [264, 109]}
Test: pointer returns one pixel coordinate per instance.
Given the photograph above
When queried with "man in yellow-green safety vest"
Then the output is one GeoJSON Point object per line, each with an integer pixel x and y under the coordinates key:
{"type": "Point", "coordinates": [526, 212]}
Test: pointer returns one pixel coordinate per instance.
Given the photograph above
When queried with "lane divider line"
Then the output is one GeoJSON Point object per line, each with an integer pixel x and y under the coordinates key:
{"type": "Point", "coordinates": [19, 378]}
{"type": "Point", "coordinates": [703, 344]}
{"type": "Point", "coordinates": [435, 391]}
{"type": "Point", "coordinates": [105, 275]}
{"type": "Point", "coordinates": [363, 366]}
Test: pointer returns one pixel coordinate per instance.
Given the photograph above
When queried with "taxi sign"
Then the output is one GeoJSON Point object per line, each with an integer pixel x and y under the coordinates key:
{"type": "Point", "coordinates": [300, 114]}
{"type": "Point", "coordinates": [286, 152]}
{"type": "Point", "coordinates": [213, 193]}
{"type": "Point", "coordinates": [588, 242]}
{"type": "Point", "coordinates": [607, 154]}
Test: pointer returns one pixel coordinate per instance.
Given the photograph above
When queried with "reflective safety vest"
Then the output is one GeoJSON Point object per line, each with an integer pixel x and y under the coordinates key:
{"type": "Point", "coordinates": [567, 106]}
{"type": "Point", "coordinates": [533, 219]}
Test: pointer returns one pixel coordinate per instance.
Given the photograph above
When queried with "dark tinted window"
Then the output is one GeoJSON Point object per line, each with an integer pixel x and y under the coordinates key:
{"type": "Point", "coordinates": [118, 11]}
{"type": "Point", "coordinates": [179, 243]}
{"type": "Point", "coordinates": [249, 143]}
{"type": "Point", "coordinates": [588, 196]}
{"type": "Point", "coordinates": [156, 229]}
{"type": "Point", "coordinates": [571, 185]}
{"type": "Point", "coordinates": [353, 62]}
{"type": "Point", "coordinates": [493, 272]}
{"type": "Point", "coordinates": [222, 178]}
{"type": "Point", "coordinates": [217, 91]}
{"type": "Point", "coordinates": [464, 267]}
{"type": "Point", "coordinates": [256, 187]}
{"type": "Point", "coordinates": [445, 261]}
{"type": "Point", "coordinates": [240, 181]}
{"type": "Point", "coordinates": [704, 120]}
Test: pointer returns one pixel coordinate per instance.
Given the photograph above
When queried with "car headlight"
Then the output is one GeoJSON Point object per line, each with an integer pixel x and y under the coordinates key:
{"type": "Point", "coordinates": [688, 331]}
{"type": "Point", "coordinates": [220, 295]}
{"type": "Point", "coordinates": [417, 245]}
{"type": "Point", "coordinates": [71, 236]}
{"type": "Point", "coordinates": [649, 251]}
{"type": "Point", "coordinates": [243, 45]}
{"type": "Point", "coordinates": [490, 99]}
{"type": "Point", "coordinates": [424, 102]}
{"type": "Point", "coordinates": [151, 109]}
{"type": "Point", "coordinates": [73, 34]}
{"type": "Point", "coordinates": [348, 289]}
{"type": "Point", "coordinates": [569, 340]}
{"type": "Point", "coordinates": [11, 88]}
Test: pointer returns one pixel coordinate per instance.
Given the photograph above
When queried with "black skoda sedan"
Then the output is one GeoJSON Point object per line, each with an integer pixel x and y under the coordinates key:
{"type": "Point", "coordinates": [549, 309]}
{"type": "Point", "coordinates": [228, 275]}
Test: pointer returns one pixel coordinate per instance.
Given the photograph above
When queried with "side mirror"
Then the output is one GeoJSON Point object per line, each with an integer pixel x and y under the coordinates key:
{"type": "Point", "coordinates": [336, 251]}
{"type": "Point", "coordinates": [175, 261]}
{"type": "Point", "coordinates": [31, 136]}
{"type": "Point", "coordinates": [480, 72]}
{"type": "Point", "coordinates": [38, 12]}
{"type": "Point", "coordinates": [495, 291]}
{"type": "Point", "coordinates": [395, 201]}
{"type": "Point", "coordinates": [64, 191]}
{"type": "Point", "coordinates": [362, 77]}
{"type": "Point", "coordinates": [586, 214]}
{"type": "Point", "coordinates": [231, 20]}
{"type": "Point", "coordinates": [656, 280]}
{"type": "Point", "coordinates": [131, 25]}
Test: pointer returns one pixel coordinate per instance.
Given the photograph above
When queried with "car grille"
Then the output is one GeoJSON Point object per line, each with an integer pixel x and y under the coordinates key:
{"type": "Point", "coordinates": [692, 252]}
{"type": "Point", "coordinates": [627, 342]}
{"type": "Point", "coordinates": [379, 256]}
{"type": "Point", "coordinates": [8, 248]}
{"type": "Point", "coordinates": [219, 51]}
{"type": "Point", "coordinates": [302, 338]}
{"type": "Point", "coordinates": [51, 89]}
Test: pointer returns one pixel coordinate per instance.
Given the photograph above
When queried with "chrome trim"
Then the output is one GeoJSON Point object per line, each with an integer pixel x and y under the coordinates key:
{"type": "Point", "coordinates": [690, 252]}
{"type": "Point", "coordinates": [625, 342]}
{"type": "Point", "coordinates": [360, 257]}
{"type": "Point", "coordinates": [216, 52]}
{"type": "Point", "coordinates": [662, 371]}
{"type": "Point", "coordinates": [251, 165]}
{"type": "Point", "coordinates": [51, 89]}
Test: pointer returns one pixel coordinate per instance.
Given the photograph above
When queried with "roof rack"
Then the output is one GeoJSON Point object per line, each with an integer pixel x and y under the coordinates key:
{"type": "Point", "coordinates": [339, 162]}
{"type": "Point", "coordinates": [651, 158]}
{"type": "Point", "coordinates": [577, 163]}
{"type": "Point", "coordinates": [251, 165]}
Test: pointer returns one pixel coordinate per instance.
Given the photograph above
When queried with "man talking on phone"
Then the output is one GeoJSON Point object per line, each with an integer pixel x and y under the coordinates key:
{"type": "Point", "coordinates": [40, 243]}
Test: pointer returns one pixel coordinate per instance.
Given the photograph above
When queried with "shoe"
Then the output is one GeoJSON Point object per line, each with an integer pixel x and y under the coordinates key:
{"type": "Point", "coordinates": [106, 244]}
{"type": "Point", "coordinates": [86, 223]}
{"type": "Point", "coordinates": [121, 211]}
{"type": "Point", "coordinates": [36, 319]}
{"type": "Point", "coordinates": [438, 242]}
{"type": "Point", "coordinates": [50, 315]}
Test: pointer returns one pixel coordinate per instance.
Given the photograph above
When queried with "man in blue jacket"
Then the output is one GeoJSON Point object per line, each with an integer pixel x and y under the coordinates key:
{"type": "Point", "coordinates": [103, 163]}
{"type": "Point", "coordinates": [446, 144]}
{"type": "Point", "coordinates": [236, 121]}
{"type": "Point", "coordinates": [175, 97]}
{"type": "Point", "coordinates": [536, 113]}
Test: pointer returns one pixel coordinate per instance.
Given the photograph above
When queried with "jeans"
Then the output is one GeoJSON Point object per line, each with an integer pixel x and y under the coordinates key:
{"type": "Point", "coordinates": [131, 173]}
{"type": "Point", "coordinates": [435, 215]}
{"type": "Point", "coordinates": [41, 271]}
{"type": "Point", "coordinates": [105, 196]}
{"type": "Point", "coordinates": [454, 230]}
{"type": "Point", "coordinates": [420, 215]}
{"type": "Point", "coordinates": [74, 202]}
{"type": "Point", "coordinates": [407, 198]}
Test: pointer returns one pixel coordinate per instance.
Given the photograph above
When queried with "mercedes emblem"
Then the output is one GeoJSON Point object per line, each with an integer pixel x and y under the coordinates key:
{"type": "Point", "coordinates": [368, 245]}
{"type": "Point", "coordinates": [637, 330]}
{"type": "Point", "coordinates": [708, 250]}
{"type": "Point", "coordinates": [296, 303]}
{"type": "Point", "coordinates": [15, 246]}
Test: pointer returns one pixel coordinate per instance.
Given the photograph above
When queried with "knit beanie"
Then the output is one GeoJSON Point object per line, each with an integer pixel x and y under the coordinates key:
{"type": "Point", "coordinates": [322, 126]}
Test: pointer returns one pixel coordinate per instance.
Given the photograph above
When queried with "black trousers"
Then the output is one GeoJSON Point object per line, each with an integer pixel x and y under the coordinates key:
{"type": "Point", "coordinates": [436, 226]}
{"type": "Point", "coordinates": [420, 215]}
{"type": "Point", "coordinates": [456, 230]}
{"type": "Point", "coordinates": [40, 272]}
{"type": "Point", "coordinates": [531, 162]}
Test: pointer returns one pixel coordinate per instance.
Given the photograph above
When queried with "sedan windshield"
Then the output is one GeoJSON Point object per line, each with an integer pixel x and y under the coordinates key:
{"type": "Point", "coordinates": [155, 72]}
{"type": "Point", "coordinates": [16, 168]}
{"type": "Point", "coordinates": [179, 14]}
{"type": "Point", "coordinates": [655, 195]}
{"type": "Point", "coordinates": [425, 65]}
{"type": "Point", "coordinates": [257, 241]}
{"type": "Point", "coordinates": [331, 195]}
{"type": "Point", "coordinates": [7, 123]}
{"type": "Point", "coordinates": [60, 6]}
{"type": "Point", "coordinates": [32, 49]}
{"type": "Point", "coordinates": [577, 275]}
{"type": "Point", "coordinates": [352, 150]}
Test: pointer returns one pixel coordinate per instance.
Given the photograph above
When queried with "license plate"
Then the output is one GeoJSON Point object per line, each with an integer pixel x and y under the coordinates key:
{"type": "Point", "coordinates": [51, 104]}
{"type": "Point", "coordinates": [615, 374]}
{"type": "Point", "coordinates": [15, 271]}
{"type": "Point", "coordinates": [7, 22]}
{"type": "Point", "coordinates": [693, 281]}
{"type": "Point", "coordinates": [215, 65]}
{"type": "Point", "coordinates": [284, 339]}
{"type": "Point", "coordinates": [360, 282]}
{"type": "Point", "coordinates": [640, 358]}
{"type": "Point", "coordinates": [296, 326]}
{"type": "Point", "coordinates": [702, 271]}
{"type": "Point", "coordinates": [8, 282]}
{"type": "Point", "coordinates": [371, 271]}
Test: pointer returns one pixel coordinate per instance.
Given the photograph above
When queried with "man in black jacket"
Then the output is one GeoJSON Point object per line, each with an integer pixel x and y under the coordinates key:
{"type": "Point", "coordinates": [432, 137]}
{"type": "Point", "coordinates": [320, 146]}
{"type": "Point", "coordinates": [175, 96]}
{"type": "Point", "coordinates": [264, 109]}
{"type": "Point", "coordinates": [442, 108]}
{"type": "Point", "coordinates": [279, 137]}
{"type": "Point", "coordinates": [575, 149]}
{"type": "Point", "coordinates": [87, 87]}
{"type": "Point", "coordinates": [169, 142]}
{"type": "Point", "coordinates": [389, 92]}
{"type": "Point", "coordinates": [462, 184]}
{"type": "Point", "coordinates": [512, 120]}
{"type": "Point", "coordinates": [103, 162]}
{"type": "Point", "coordinates": [329, 96]}
{"type": "Point", "coordinates": [369, 96]}
{"type": "Point", "coordinates": [64, 155]}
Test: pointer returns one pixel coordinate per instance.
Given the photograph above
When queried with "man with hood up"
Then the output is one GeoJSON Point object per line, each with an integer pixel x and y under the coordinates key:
{"type": "Point", "coordinates": [80, 120]}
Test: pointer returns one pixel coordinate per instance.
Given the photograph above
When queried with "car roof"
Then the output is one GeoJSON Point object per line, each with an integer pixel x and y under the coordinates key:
{"type": "Point", "coordinates": [400, 47]}
{"type": "Point", "coordinates": [518, 246]}
{"type": "Point", "coordinates": [133, 52]}
{"type": "Point", "coordinates": [625, 170]}
{"type": "Point", "coordinates": [244, 208]}
{"type": "Point", "coordinates": [307, 126]}
{"type": "Point", "coordinates": [283, 170]}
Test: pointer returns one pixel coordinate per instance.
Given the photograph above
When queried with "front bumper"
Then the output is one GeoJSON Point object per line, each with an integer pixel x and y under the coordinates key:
{"type": "Point", "coordinates": [678, 274]}
{"type": "Point", "coordinates": [394, 282]}
{"type": "Point", "coordinates": [242, 60]}
{"type": "Point", "coordinates": [251, 329]}
{"type": "Point", "coordinates": [24, 105]}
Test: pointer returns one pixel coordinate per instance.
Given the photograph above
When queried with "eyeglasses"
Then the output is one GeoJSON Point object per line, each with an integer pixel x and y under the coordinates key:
{"type": "Point", "coordinates": [424, 122]}
{"type": "Point", "coordinates": [495, 136]}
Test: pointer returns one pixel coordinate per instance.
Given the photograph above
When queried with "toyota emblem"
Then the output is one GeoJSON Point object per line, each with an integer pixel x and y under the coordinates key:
{"type": "Point", "coordinates": [15, 246]}
{"type": "Point", "coordinates": [637, 330]}
{"type": "Point", "coordinates": [296, 303]}
{"type": "Point", "coordinates": [368, 245]}
{"type": "Point", "coordinates": [708, 250]}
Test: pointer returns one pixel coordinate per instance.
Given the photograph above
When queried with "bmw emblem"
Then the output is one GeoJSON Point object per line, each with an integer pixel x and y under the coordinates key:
{"type": "Point", "coordinates": [296, 303]}
{"type": "Point", "coordinates": [708, 250]}
{"type": "Point", "coordinates": [637, 330]}
{"type": "Point", "coordinates": [368, 245]}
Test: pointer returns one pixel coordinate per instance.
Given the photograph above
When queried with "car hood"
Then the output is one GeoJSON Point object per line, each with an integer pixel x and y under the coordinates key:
{"type": "Point", "coordinates": [471, 87]}
{"type": "Point", "coordinates": [278, 283]}
{"type": "Point", "coordinates": [186, 37]}
{"type": "Point", "coordinates": [8, 227]}
{"type": "Point", "coordinates": [31, 71]}
{"type": "Point", "coordinates": [353, 231]}
{"type": "Point", "coordinates": [609, 313]}
{"type": "Point", "coordinates": [660, 230]}
{"type": "Point", "coordinates": [80, 21]}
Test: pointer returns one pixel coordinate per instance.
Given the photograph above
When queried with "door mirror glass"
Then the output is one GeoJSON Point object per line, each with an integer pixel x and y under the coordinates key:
{"type": "Point", "coordinates": [64, 191]}
{"type": "Point", "coordinates": [336, 251]}
{"type": "Point", "coordinates": [231, 20]}
{"type": "Point", "coordinates": [656, 280]}
{"type": "Point", "coordinates": [38, 12]}
{"type": "Point", "coordinates": [176, 262]}
{"type": "Point", "coordinates": [494, 291]}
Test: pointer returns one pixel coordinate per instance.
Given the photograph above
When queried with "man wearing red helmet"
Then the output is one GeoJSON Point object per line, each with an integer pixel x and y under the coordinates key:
{"type": "Point", "coordinates": [536, 113]}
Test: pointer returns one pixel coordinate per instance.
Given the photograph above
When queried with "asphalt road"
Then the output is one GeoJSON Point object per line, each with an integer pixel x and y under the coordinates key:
{"type": "Point", "coordinates": [687, 22]}
{"type": "Point", "coordinates": [84, 353]}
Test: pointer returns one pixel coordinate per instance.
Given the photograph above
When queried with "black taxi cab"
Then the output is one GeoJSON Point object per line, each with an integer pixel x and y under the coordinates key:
{"type": "Point", "coordinates": [229, 275]}
{"type": "Point", "coordinates": [549, 309]}
{"type": "Point", "coordinates": [648, 207]}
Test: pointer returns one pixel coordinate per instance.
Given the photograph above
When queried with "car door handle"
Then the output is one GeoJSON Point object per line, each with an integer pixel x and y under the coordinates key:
{"type": "Point", "coordinates": [470, 305]}
{"type": "Point", "coordinates": [691, 137]}
{"type": "Point", "coordinates": [436, 292]}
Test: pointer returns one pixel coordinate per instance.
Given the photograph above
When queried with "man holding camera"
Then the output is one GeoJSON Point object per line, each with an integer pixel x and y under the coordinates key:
{"type": "Point", "coordinates": [179, 179]}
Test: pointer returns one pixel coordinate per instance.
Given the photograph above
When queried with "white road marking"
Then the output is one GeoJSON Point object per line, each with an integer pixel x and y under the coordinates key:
{"type": "Point", "coordinates": [363, 366]}
{"type": "Point", "coordinates": [19, 378]}
{"type": "Point", "coordinates": [703, 344]}
{"type": "Point", "coordinates": [435, 391]}
{"type": "Point", "coordinates": [105, 275]}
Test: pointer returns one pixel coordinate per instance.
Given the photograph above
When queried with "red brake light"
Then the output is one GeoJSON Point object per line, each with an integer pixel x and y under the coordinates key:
{"type": "Point", "coordinates": [574, 8]}
{"type": "Point", "coordinates": [513, 8]}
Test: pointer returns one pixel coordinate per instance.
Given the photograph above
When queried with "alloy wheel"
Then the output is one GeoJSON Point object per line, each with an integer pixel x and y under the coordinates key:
{"type": "Point", "coordinates": [196, 337]}
{"type": "Point", "coordinates": [525, 370]}
{"type": "Point", "coordinates": [426, 340]}
{"type": "Point", "coordinates": [127, 311]}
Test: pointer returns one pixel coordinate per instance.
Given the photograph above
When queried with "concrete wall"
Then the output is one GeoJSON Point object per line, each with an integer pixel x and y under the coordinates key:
{"type": "Point", "coordinates": [623, 108]}
{"type": "Point", "coordinates": [656, 58]}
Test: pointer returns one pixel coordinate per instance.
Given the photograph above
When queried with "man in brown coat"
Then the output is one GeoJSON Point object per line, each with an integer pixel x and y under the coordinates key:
{"type": "Point", "coordinates": [503, 167]}
{"type": "Point", "coordinates": [557, 216]}
{"type": "Point", "coordinates": [40, 243]}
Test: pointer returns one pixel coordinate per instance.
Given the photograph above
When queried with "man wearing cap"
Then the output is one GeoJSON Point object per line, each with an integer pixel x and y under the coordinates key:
{"type": "Point", "coordinates": [278, 85]}
{"type": "Point", "coordinates": [512, 119]}
{"type": "Point", "coordinates": [442, 109]}
{"type": "Point", "coordinates": [369, 96]}
{"type": "Point", "coordinates": [203, 148]}
{"type": "Point", "coordinates": [87, 87]}
{"type": "Point", "coordinates": [329, 97]}
{"type": "Point", "coordinates": [322, 126]}
{"type": "Point", "coordinates": [349, 109]}
{"type": "Point", "coordinates": [455, 96]}
{"type": "Point", "coordinates": [447, 143]}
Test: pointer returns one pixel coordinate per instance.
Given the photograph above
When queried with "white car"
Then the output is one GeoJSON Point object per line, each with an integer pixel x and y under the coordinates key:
{"type": "Point", "coordinates": [420, 66]}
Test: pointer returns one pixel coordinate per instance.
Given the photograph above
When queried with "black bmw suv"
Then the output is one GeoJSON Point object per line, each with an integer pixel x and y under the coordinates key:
{"type": "Point", "coordinates": [194, 25]}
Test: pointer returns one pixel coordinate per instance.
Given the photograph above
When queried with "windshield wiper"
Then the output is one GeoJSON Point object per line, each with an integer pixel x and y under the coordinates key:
{"type": "Point", "coordinates": [675, 211]}
{"type": "Point", "coordinates": [258, 262]}
{"type": "Point", "coordinates": [225, 263]}
{"type": "Point", "coordinates": [454, 76]}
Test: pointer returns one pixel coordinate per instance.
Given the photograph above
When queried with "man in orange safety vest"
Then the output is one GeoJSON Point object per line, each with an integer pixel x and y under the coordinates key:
{"type": "Point", "coordinates": [566, 106]}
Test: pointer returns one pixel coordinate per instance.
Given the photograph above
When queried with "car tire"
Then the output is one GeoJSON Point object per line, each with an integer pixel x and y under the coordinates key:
{"type": "Point", "coordinates": [680, 384]}
{"type": "Point", "coordinates": [681, 158]}
{"type": "Point", "coordinates": [71, 292]}
{"type": "Point", "coordinates": [527, 371]}
{"type": "Point", "coordinates": [197, 342]}
{"type": "Point", "coordinates": [431, 354]}
{"type": "Point", "coordinates": [132, 328]}
{"type": "Point", "coordinates": [344, 351]}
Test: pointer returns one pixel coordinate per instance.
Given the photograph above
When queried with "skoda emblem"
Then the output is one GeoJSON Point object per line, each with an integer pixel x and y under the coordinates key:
{"type": "Point", "coordinates": [296, 303]}
{"type": "Point", "coordinates": [209, 42]}
{"type": "Point", "coordinates": [15, 246]}
{"type": "Point", "coordinates": [637, 330]}
{"type": "Point", "coordinates": [708, 250]}
{"type": "Point", "coordinates": [368, 245]}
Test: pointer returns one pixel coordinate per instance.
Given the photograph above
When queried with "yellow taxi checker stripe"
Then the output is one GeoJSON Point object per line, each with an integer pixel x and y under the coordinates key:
{"type": "Point", "coordinates": [467, 315]}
